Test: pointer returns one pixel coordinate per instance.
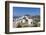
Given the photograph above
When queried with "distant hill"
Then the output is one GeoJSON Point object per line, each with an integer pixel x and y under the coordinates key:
{"type": "Point", "coordinates": [16, 17]}
{"type": "Point", "coordinates": [37, 16]}
{"type": "Point", "coordinates": [27, 15]}
{"type": "Point", "coordinates": [20, 16]}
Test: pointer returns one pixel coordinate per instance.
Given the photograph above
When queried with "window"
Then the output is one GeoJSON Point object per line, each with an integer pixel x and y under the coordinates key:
{"type": "Point", "coordinates": [31, 22]}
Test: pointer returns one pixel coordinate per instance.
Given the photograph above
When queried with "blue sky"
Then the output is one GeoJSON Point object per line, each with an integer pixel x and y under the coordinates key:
{"type": "Point", "coordinates": [20, 11]}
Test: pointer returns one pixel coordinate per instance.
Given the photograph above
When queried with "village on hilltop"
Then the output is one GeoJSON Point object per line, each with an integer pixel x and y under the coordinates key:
{"type": "Point", "coordinates": [26, 21]}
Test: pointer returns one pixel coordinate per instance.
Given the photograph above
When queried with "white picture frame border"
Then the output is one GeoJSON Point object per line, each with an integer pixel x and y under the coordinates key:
{"type": "Point", "coordinates": [11, 29]}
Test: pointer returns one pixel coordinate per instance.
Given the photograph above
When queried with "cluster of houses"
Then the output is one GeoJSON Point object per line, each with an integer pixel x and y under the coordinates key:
{"type": "Point", "coordinates": [24, 21]}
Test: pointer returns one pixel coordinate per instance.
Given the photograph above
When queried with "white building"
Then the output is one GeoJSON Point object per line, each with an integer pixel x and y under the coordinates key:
{"type": "Point", "coordinates": [24, 21]}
